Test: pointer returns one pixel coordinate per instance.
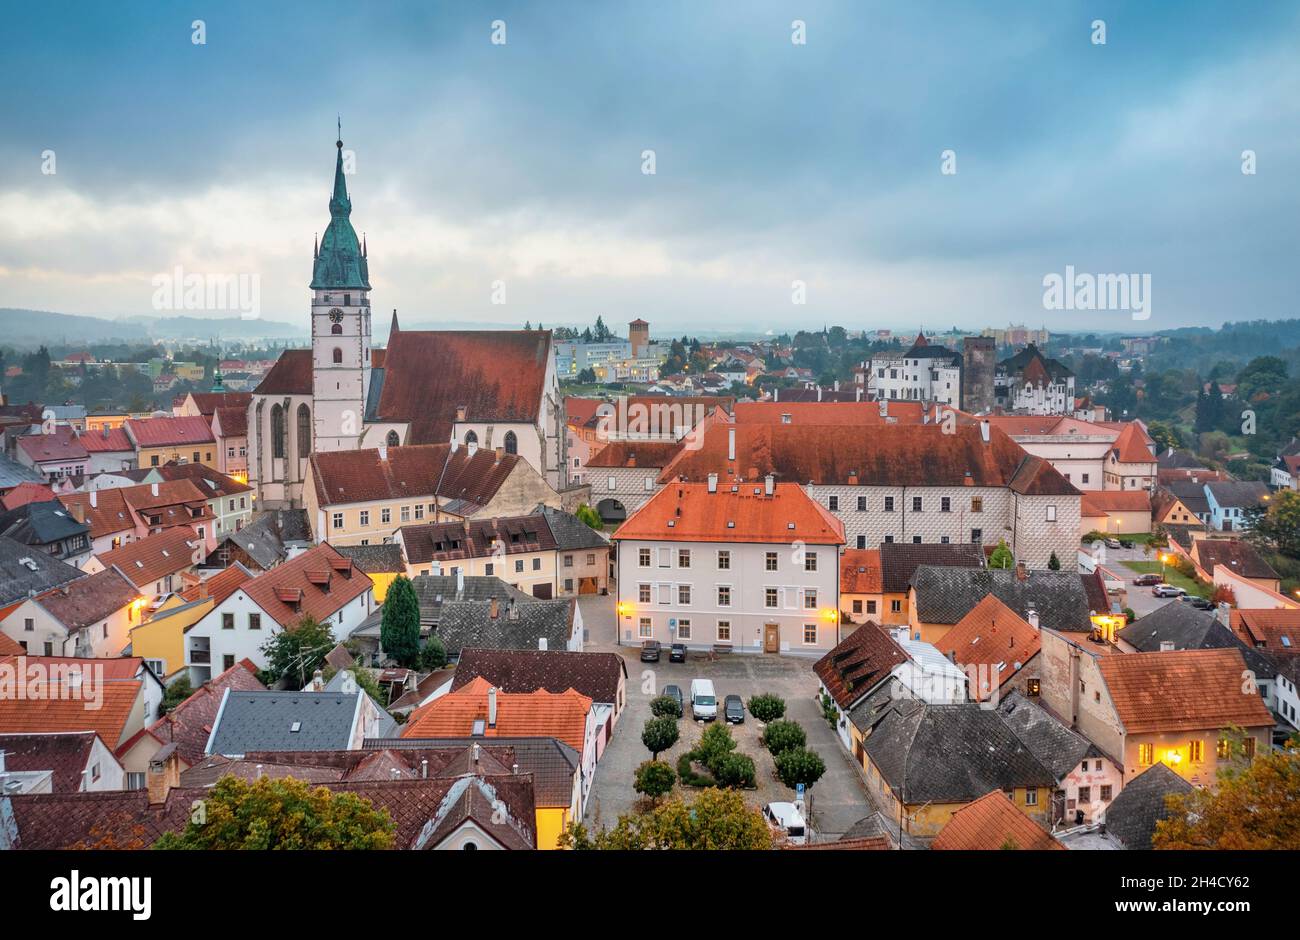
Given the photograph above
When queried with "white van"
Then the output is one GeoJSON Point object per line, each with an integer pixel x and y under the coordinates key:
{"type": "Point", "coordinates": [704, 703]}
{"type": "Point", "coordinates": [785, 818]}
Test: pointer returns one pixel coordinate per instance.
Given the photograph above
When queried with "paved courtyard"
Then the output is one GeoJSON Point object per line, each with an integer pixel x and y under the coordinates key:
{"type": "Point", "coordinates": [838, 800]}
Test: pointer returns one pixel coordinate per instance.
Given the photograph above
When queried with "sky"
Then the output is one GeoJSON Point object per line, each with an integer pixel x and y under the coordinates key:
{"type": "Point", "coordinates": [514, 171]}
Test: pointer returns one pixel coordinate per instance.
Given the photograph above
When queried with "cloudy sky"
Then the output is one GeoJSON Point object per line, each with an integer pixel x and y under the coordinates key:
{"type": "Point", "coordinates": [774, 162]}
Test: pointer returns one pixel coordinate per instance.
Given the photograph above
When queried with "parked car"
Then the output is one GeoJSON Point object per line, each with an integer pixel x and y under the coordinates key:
{"type": "Point", "coordinates": [677, 654]}
{"type": "Point", "coordinates": [1200, 603]}
{"type": "Point", "coordinates": [786, 819]}
{"type": "Point", "coordinates": [675, 693]}
{"type": "Point", "coordinates": [1147, 580]}
{"type": "Point", "coordinates": [1167, 590]}
{"type": "Point", "coordinates": [704, 701]}
{"type": "Point", "coordinates": [733, 710]}
{"type": "Point", "coordinates": [650, 651]}
{"type": "Point", "coordinates": [1113, 543]}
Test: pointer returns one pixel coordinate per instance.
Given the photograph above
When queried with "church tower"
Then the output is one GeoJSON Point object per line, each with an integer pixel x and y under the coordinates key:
{"type": "Point", "coordinates": [340, 326]}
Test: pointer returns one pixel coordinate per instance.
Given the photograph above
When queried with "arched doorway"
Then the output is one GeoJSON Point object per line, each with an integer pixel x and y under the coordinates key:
{"type": "Point", "coordinates": [611, 510]}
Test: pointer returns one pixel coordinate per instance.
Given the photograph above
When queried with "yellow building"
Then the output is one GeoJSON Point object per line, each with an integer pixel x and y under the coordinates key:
{"type": "Point", "coordinates": [158, 441]}
{"type": "Point", "coordinates": [381, 564]}
{"type": "Point", "coordinates": [160, 641]}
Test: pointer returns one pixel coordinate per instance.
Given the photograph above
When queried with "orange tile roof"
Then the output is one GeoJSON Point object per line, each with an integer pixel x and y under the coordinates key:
{"type": "Point", "coordinates": [852, 413]}
{"type": "Point", "coordinates": [154, 557]}
{"type": "Point", "coordinates": [543, 714]}
{"type": "Point", "coordinates": [1277, 630]}
{"type": "Point", "coordinates": [220, 585]}
{"type": "Point", "coordinates": [860, 571]}
{"type": "Point", "coordinates": [652, 454]}
{"type": "Point", "coordinates": [991, 635]}
{"type": "Point", "coordinates": [25, 493]}
{"type": "Point", "coordinates": [10, 646]}
{"type": "Point", "coordinates": [50, 714]}
{"type": "Point", "coordinates": [170, 432]}
{"type": "Point", "coordinates": [1183, 690]}
{"type": "Point", "coordinates": [1133, 445]}
{"type": "Point", "coordinates": [1100, 502]}
{"type": "Point", "coordinates": [106, 440]}
{"type": "Point", "coordinates": [991, 823]}
{"type": "Point", "coordinates": [342, 583]}
{"type": "Point", "coordinates": [747, 515]}
{"type": "Point", "coordinates": [110, 512]}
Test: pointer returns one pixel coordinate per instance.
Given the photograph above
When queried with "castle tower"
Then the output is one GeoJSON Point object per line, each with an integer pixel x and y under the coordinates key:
{"type": "Point", "coordinates": [340, 326]}
{"type": "Point", "coordinates": [638, 335]}
{"type": "Point", "coordinates": [979, 360]}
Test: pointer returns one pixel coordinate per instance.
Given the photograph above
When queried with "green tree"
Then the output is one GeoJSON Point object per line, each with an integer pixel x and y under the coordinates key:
{"type": "Point", "coordinates": [1277, 527]}
{"type": "Point", "coordinates": [1002, 557]}
{"type": "Point", "coordinates": [767, 707]}
{"type": "Point", "coordinates": [399, 631]}
{"type": "Point", "coordinates": [781, 736]}
{"type": "Point", "coordinates": [1054, 563]}
{"type": "Point", "coordinates": [665, 706]}
{"type": "Point", "coordinates": [281, 813]}
{"type": "Point", "coordinates": [294, 654]}
{"type": "Point", "coordinates": [433, 654]}
{"type": "Point", "coordinates": [659, 735]}
{"type": "Point", "coordinates": [716, 820]}
{"type": "Point", "coordinates": [590, 517]}
{"type": "Point", "coordinates": [715, 743]}
{"type": "Point", "coordinates": [799, 765]}
{"type": "Point", "coordinates": [176, 693]}
{"type": "Point", "coordinates": [734, 770]}
{"type": "Point", "coordinates": [655, 779]}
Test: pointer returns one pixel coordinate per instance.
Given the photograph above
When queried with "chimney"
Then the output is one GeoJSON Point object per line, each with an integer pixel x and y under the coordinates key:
{"type": "Point", "coordinates": [713, 482]}
{"type": "Point", "coordinates": [884, 408]}
{"type": "Point", "coordinates": [471, 448]}
{"type": "Point", "coordinates": [424, 769]}
{"type": "Point", "coordinates": [348, 685]}
{"type": "Point", "coordinates": [460, 412]}
{"type": "Point", "coordinates": [164, 773]}
{"type": "Point", "coordinates": [493, 608]}
{"type": "Point", "coordinates": [460, 581]}
{"type": "Point", "coordinates": [1022, 574]}
{"type": "Point", "coordinates": [1032, 617]}
{"type": "Point", "coordinates": [318, 681]}
{"type": "Point", "coordinates": [78, 511]}
{"type": "Point", "coordinates": [1222, 613]}
{"type": "Point", "coordinates": [514, 768]}
{"type": "Point", "coordinates": [769, 485]}
{"type": "Point", "coordinates": [541, 643]}
{"type": "Point", "coordinates": [512, 612]}
{"type": "Point", "coordinates": [383, 451]}
{"type": "Point", "coordinates": [731, 443]}
{"type": "Point", "coordinates": [857, 393]}
{"type": "Point", "coordinates": [153, 489]}
{"type": "Point", "coordinates": [492, 715]}
{"type": "Point", "coordinates": [94, 499]}
{"type": "Point", "coordinates": [819, 393]}
{"type": "Point", "coordinates": [984, 430]}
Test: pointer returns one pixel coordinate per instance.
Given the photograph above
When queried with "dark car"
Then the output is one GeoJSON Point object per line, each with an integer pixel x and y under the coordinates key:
{"type": "Point", "coordinates": [1200, 603]}
{"type": "Point", "coordinates": [674, 693]}
{"type": "Point", "coordinates": [733, 710]}
{"type": "Point", "coordinates": [1147, 580]}
{"type": "Point", "coordinates": [677, 653]}
{"type": "Point", "coordinates": [650, 651]}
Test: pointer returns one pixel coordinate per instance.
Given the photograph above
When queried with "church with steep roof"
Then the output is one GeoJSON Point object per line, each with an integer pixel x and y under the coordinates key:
{"type": "Point", "coordinates": [475, 389]}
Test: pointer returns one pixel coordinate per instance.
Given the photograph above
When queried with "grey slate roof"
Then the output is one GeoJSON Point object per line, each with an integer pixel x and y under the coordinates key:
{"type": "Point", "coordinates": [374, 559]}
{"type": "Point", "coordinates": [41, 523]}
{"type": "Point", "coordinates": [263, 721]}
{"type": "Point", "coordinates": [1171, 459]}
{"type": "Point", "coordinates": [552, 763]}
{"type": "Point", "coordinates": [945, 595]}
{"type": "Point", "coordinates": [1237, 493]}
{"type": "Point", "coordinates": [595, 675]}
{"type": "Point", "coordinates": [435, 590]}
{"type": "Point", "coordinates": [899, 561]}
{"type": "Point", "coordinates": [876, 826]}
{"type": "Point", "coordinates": [25, 571]}
{"type": "Point", "coordinates": [867, 713]}
{"type": "Point", "coordinates": [1191, 629]}
{"type": "Point", "coordinates": [570, 532]}
{"type": "Point", "coordinates": [470, 623]}
{"type": "Point", "coordinates": [1056, 747]}
{"type": "Point", "coordinates": [12, 473]}
{"type": "Point", "coordinates": [951, 754]}
{"type": "Point", "coordinates": [1132, 816]}
{"type": "Point", "coordinates": [1190, 493]}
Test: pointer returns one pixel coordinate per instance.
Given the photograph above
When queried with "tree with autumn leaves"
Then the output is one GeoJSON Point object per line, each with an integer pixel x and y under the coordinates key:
{"type": "Point", "coordinates": [716, 819]}
{"type": "Point", "coordinates": [1255, 806]}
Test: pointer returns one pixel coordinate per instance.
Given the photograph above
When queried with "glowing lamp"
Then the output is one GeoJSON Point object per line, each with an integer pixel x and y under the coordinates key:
{"type": "Point", "coordinates": [624, 609]}
{"type": "Point", "coordinates": [830, 614]}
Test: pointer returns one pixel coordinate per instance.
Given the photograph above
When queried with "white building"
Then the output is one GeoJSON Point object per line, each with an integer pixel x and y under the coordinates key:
{"type": "Point", "coordinates": [923, 373]}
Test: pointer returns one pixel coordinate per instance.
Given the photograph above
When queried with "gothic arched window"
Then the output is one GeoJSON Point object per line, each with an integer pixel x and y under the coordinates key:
{"type": "Point", "coordinates": [470, 438]}
{"type": "Point", "coordinates": [393, 439]}
{"type": "Point", "coordinates": [277, 431]}
{"type": "Point", "coordinates": [512, 443]}
{"type": "Point", "coordinates": [304, 430]}
{"type": "Point", "coordinates": [338, 354]}
{"type": "Point", "coordinates": [337, 329]}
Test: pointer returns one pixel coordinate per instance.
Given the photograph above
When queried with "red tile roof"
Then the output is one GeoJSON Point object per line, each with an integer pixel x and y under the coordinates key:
{"type": "Point", "coordinates": [50, 714]}
{"type": "Point", "coordinates": [859, 663]}
{"type": "Point", "coordinates": [1239, 557]}
{"type": "Point", "coordinates": [746, 515]}
{"type": "Point", "coordinates": [891, 455]}
{"type": "Point", "coordinates": [90, 600]}
{"type": "Point", "coordinates": [1100, 502]}
{"type": "Point", "coordinates": [25, 493]}
{"type": "Point", "coordinates": [106, 441]}
{"type": "Point", "coordinates": [1183, 690]}
{"type": "Point", "coordinates": [851, 413]}
{"type": "Point", "coordinates": [208, 482]}
{"type": "Point", "coordinates": [1133, 445]}
{"type": "Point", "coordinates": [494, 375]}
{"type": "Point", "coordinates": [10, 646]}
{"type": "Point", "coordinates": [220, 585]}
{"type": "Point", "coordinates": [65, 754]}
{"type": "Point", "coordinates": [991, 823]}
{"type": "Point", "coordinates": [539, 714]}
{"type": "Point", "coordinates": [60, 445]}
{"type": "Point", "coordinates": [170, 432]}
{"type": "Point", "coordinates": [209, 402]}
{"type": "Point", "coordinates": [1273, 630]}
{"type": "Point", "coordinates": [449, 541]}
{"type": "Point", "coordinates": [291, 375]}
{"type": "Point", "coordinates": [995, 637]}
{"type": "Point", "coordinates": [410, 472]}
{"type": "Point", "coordinates": [651, 454]}
{"type": "Point", "coordinates": [860, 571]}
{"type": "Point", "coordinates": [233, 422]}
{"type": "Point", "coordinates": [341, 584]}
{"type": "Point", "coordinates": [152, 558]}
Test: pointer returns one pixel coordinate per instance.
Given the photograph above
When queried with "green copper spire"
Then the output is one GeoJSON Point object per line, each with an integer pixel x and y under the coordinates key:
{"type": "Point", "coordinates": [339, 263]}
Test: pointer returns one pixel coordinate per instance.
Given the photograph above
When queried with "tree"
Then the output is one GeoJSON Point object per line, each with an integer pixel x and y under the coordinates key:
{"type": "Point", "coordinates": [399, 631]}
{"type": "Point", "coordinates": [665, 706]}
{"type": "Point", "coordinates": [767, 707]}
{"type": "Point", "coordinates": [716, 820]}
{"type": "Point", "coordinates": [654, 778]}
{"type": "Point", "coordinates": [1002, 557]}
{"type": "Point", "coordinates": [715, 743]}
{"type": "Point", "coordinates": [294, 654]}
{"type": "Point", "coordinates": [175, 693]}
{"type": "Point", "coordinates": [734, 770]}
{"type": "Point", "coordinates": [433, 654]}
{"type": "Point", "coordinates": [1277, 527]}
{"type": "Point", "coordinates": [1054, 563]}
{"type": "Point", "coordinates": [589, 517]}
{"type": "Point", "coordinates": [781, 736]}
{"type": "Point", "coordinates": [1253, 806]}
{"type": "Point", "coordinates": [281, 813]}
{"type": "Point", "coordinates": [799, 765]}
{"type": "Point", "coordinates": [659, 735]}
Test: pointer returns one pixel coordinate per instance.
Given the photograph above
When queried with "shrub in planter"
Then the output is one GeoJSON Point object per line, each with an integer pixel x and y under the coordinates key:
{"type": "Point", "coordinates": [687, 775]}
{"type": "Point", "coordinates": [799, 765]}
{"type": "Point", "coordinates": [734, 770]}
{"type": "Point", "coordinates": [767, 707]}
{"type": "Point", "coordinates": [665, 707]}
{"type": "Point", "coordinates": [830, 711]}
{"type": "Point", "coordinates": [654, 778]}
{"type": "Point", "coordinates": [659, 735]}
{"type": "Point", "coordinates": [714, 743]}
{"type": "Point", "coordinates": [781, 736]}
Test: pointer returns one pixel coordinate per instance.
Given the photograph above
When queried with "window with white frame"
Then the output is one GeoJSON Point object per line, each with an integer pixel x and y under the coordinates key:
{"type": "Point", "coordinates": [769, 561]}
{"type": "Point", "coordinates": [683, 629]}
{"type": "Point", "coordinates": [810, 634]}
{"type": "Point", "coordinates": [644, 629]}
{"type": "Point", "coordinates": [771, 597]}
{"type": "Point", "coordinates": [724, 631]}
{"type": "Point", "coordinates": [810, 561]}
{"type": "Point", "coordinates": [643, 558]}
{"type": "Point", "coordinates": [724, 595]}
{"type": "Point", "coordinates": [810, 599]}
{"type": "Point", "coordinates": [643, 593]}
{"type": "Point", "coordinates": [684, 594]}
{"type": "Point", "coordinates": [724, 560]}
{"type": "Point", "coordinates": [683, 558]}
